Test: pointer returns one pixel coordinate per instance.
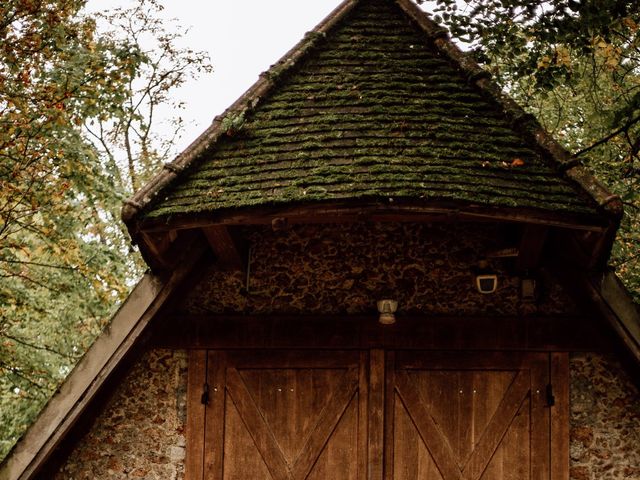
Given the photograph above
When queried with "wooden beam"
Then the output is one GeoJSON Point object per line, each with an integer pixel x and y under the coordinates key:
{"type": "Point", "coordinates": [588, 250]}
{"type": "Point", "coordinates": [163, 250]}
{"type": "Point", "coordinates": [601, 250]}
{"type": "Point", "coordinates": [531, 248]}
{"type": "Point", "coordinates": [606, 296]}
{"type": "Point", "coordinates": [375, 211]}
{"type": "Point", "coordinates": [376, 412]}
{"type": "Point", "coordinates": [617, 307]}
{"type": "Point", "coordinates": [568, 251]}
{"type": "Point", "coordinates": [553, 333]}
{"type": "Point", "coordinates": [560, 415]}
{"type": "Point", "coordinates": [229, 254]}
{"type": "Point", "coordinates": [156, 246]}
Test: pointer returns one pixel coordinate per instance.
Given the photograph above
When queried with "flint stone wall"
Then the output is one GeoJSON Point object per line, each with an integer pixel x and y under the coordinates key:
{"type": "Point", "coordinates": [334, 269]}
{"type": "Point", "coordinates": [141, 432]}
{"type": "Point", "coordinates": [605, 420]}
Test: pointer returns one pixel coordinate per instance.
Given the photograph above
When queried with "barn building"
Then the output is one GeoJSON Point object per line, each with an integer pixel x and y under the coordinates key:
{"type": "Point", "coordinates": [374, 265]}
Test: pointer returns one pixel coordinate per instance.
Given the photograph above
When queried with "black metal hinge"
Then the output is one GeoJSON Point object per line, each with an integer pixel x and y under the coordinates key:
{"type": "Point", "coordinates": [551, 400]}
{"type": "Point", "coordinates": [204, 399]}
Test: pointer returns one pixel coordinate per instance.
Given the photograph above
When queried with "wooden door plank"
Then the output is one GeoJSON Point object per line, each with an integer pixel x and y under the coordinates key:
{"type": "Point", "coordinates": [452, 360]}
{"type": "Point", "coordinates": [433, 438]}
{"type": "Point", "coordinates": [215, 415]}
{"type": "Point", "coordinates": [262, 436]}
{"type": "Point", "coordinates": [540, 441]}
{"type": "Point", "coordinates": [408, 448]}
{"type": "Point", "coordinates": [363, 415]}
{"type": "Point", "coordinates": [299, 358]}
{"type": "Point", "coordinates": [560, 417]}
{"type": "Point", "coordinates": [196, 378]}
{"type": "Point", "coordinates": [376, 414]}
{"type": "Point", "coordinates": [390, 393]}
{"type": "Point", "coordinates": [498, 426]}
{"type": "Point", "coordinates": [326, 424]}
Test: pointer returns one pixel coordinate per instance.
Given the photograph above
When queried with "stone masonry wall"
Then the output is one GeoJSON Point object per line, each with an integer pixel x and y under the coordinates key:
{"type": "Point", "coordinates": [334, 269]}
{"type": "Point", "coordinates": [140, 434]}
{"type": "Point", "coordinates": [605, 420]}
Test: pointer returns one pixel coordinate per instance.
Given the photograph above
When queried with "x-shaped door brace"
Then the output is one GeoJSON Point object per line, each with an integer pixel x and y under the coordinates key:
{"type": "Point", "coordinates": [436, 441]}
{"type": "Point", "coordinates": [265, 440]}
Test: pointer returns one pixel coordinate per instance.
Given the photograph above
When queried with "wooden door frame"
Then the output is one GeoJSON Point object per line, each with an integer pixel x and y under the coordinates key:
{"type": "Point", "coordinates": [216, 372]}
{"type": "Point", "coordinates": [207, 367]}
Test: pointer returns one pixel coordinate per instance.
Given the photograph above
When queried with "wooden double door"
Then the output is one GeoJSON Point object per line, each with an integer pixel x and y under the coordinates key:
{"type": "Point", "coordinates": [401, 415]}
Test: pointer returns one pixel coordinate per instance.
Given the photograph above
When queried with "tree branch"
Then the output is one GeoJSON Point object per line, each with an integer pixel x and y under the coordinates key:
{"type": "Point", "coordinates": [38, 347]}
{"type": "Point", "coordinates": [39, 264]}
{"type": "Point", "coordinates": [613, 134]}
{"type": "Point", "coordinates": [15, 372]}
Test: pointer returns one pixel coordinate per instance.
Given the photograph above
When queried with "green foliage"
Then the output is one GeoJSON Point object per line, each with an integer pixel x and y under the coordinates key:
{"type": "Point", "coordinates": [76, 136]}
{"type": "Point", "coordinates": [233, 123]}
{"type": "Point", "coordinates": [576, 66]}
{"type": "Point", "coordinates": [129, 137]}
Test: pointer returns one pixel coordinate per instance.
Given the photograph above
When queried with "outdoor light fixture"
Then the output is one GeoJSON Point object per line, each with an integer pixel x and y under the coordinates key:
{"type": "Point", "coordinates": [528, 290]}
{"type": "Point", "coordinates": [486, 279]}
{"type": "Point", "coordinates": [387, 309]}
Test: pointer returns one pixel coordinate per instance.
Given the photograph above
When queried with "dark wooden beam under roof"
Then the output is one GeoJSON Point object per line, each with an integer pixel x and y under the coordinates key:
{"type": "Point", "coordinates": [411, 331]}
{"type": "Point", "coordinates": [162, 250]}
{"type": "Point", "coordinates": [229, 251]}
{"type": "Point", "coordinates": [332, 212]}
{"type": "Point", "coordinates": [531, 247]}
{"type": "Point", "coordinates": [604, 293]}
{"type": "Point", "coordinates": [157, 245]}
{"type": "Point", "coordinates": [160, 239]}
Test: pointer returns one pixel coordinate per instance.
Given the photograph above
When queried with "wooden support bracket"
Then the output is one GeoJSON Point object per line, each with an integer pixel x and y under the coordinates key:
{"type": "Point", "coordinates": [228, 250]}
{"type": "Point", "coordinates": [531, 247]}
{"type": "Point", "coordinates": [159, 252]}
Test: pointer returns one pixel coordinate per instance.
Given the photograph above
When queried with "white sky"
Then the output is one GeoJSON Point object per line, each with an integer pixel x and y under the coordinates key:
{"type": "Point", "coordinates": [243, 38]}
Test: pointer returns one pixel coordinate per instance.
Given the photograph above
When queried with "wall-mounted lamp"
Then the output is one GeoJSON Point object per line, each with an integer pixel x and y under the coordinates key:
{"type": "Point", "coordinates": [528, 290]}
{"type": "Point", "coordinates": [387, 309]}
{"type": "Point", "coordinates": [486, 279]}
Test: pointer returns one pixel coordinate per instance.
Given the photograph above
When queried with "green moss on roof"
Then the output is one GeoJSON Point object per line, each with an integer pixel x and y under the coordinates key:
{"type": "Point", "coordinates": [372, 111]}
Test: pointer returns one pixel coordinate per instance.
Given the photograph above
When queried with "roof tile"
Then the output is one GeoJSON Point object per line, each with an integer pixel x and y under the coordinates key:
{"type": "Point", "coordinates": [373, 111]}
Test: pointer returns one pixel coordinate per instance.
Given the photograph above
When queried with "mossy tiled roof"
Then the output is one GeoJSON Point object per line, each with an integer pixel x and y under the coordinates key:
{"type": "Point", "coordinates": [374, 111]}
